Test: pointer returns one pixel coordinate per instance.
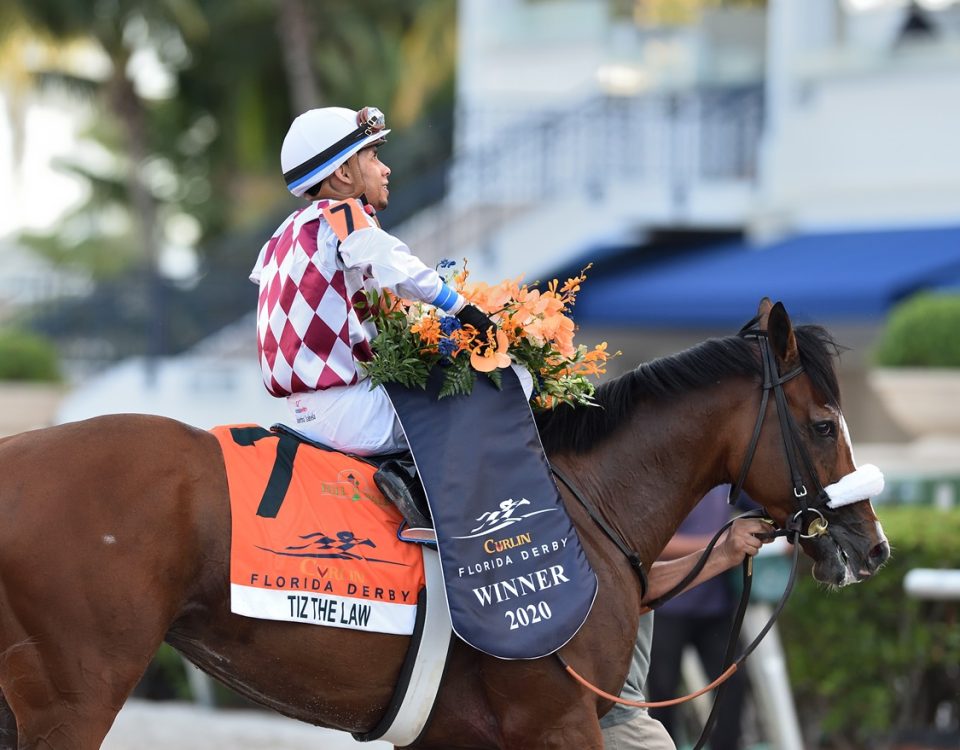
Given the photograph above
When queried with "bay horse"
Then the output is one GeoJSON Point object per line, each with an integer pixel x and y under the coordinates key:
{"type": "Point", "coordinates": [116, 531]}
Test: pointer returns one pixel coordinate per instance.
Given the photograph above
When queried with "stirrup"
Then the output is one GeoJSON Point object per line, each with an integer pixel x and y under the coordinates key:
{"type": "Point", "coordinates": [399, 483]}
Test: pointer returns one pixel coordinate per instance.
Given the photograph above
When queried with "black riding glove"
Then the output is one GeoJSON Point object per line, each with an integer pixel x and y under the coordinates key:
{"type": "Point", "coordinates": [473, 316]}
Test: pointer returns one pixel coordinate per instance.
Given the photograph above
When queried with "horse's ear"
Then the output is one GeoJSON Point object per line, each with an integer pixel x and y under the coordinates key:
{"type": "Point", "coordinates": [780, 335]}
{"type": "Point", "coordinates": [763, 312]}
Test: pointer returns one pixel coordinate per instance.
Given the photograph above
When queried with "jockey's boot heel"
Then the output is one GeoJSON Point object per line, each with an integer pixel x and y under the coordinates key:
{"type": "Point", "coordinates": [397, 479]}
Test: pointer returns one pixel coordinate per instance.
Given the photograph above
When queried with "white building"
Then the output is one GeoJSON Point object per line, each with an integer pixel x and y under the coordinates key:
{"type": "Point", "coordinates": [799, 128]}
{"type": "Point", "coordinates": [811, 114]}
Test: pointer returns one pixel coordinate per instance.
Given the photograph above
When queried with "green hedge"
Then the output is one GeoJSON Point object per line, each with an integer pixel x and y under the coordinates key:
{"type": "Point", "coordinates": [922, 332]}
{"type": "Point", "coordinates": [28, 357]}
{"type": "Point", "coordinates": [866, 661]}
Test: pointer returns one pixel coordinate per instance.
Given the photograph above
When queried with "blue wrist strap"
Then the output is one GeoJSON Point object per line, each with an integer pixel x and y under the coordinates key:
{"type": "Point", "coordinates": [446, 298]}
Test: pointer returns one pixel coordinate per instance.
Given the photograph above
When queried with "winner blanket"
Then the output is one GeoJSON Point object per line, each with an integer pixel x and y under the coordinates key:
{"type": "Point", "coordinates": [518, 582]}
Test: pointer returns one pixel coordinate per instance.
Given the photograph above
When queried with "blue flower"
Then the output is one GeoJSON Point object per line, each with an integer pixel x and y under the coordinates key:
{"type": "Point", "coordinates": [443, 269]}
{"type": "Point", "coordinates": [449, 324]}
{"type": "Point", "coordinates": [446, 347]}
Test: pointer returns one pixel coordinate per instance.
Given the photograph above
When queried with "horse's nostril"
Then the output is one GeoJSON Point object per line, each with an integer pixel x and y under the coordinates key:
{"type": "Point", "coordinates": [878, 555]}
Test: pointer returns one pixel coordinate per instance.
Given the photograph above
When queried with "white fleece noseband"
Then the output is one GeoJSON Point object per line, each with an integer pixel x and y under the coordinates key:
{"type": "Point", "coordinates": [862, 484]}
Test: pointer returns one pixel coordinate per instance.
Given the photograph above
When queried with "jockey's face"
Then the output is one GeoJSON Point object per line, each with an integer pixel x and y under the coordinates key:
{"type": "Point", "coordinates": [375, 177]}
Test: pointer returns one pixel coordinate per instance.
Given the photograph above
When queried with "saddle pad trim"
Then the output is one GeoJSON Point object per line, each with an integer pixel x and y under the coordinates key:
{"type": "Point", "coordinates": [423, 668]}
{"type": "Point", "coordinates": [329, 609]}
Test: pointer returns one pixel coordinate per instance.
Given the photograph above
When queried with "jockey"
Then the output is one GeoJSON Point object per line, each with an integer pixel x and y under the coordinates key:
{"type": "Point", "coordinates": [313, 332]}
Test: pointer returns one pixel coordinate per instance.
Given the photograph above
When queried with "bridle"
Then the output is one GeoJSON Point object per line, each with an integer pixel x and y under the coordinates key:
{"type": "Point", "coordinates": [789, 432]}
{"type": "Point", "coordinates": [773, 381]}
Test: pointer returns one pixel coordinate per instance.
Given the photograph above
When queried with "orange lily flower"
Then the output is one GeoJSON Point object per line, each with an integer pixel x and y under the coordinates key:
{"type": "Point", "coordinates": [492, 299]}
{"type": "Point", "coordinates": [530, 304]}
{"type": "Point", "coordinates": [487, 358]}
{"type": "Point", "coordinates": [428, 329]}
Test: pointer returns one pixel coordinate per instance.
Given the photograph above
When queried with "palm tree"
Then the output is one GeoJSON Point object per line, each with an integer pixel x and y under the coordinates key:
{"type": "Point", "coordinates": [117, 31]}
{"type": "Point", "coordinates": [22, 51]}
{"type": "Point", "coordinates": [219, 135]}
{"type": "Point", "coordinates": [297, 30]}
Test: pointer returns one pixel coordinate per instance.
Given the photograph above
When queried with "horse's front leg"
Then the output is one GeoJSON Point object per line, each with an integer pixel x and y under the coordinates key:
{"type": "Point", "coordinates": [538, 706]}
{"type": "Point", "coordinates": [573, 727]}
{"type": "Point", "coordinates": [493, 704]}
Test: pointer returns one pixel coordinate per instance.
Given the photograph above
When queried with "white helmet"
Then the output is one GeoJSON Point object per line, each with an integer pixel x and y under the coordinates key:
{"type": "Point", "coordinates": [320, 140]}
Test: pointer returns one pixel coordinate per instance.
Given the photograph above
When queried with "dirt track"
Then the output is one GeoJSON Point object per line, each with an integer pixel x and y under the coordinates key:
{"type": "Point", "coordinates": [145, 725]}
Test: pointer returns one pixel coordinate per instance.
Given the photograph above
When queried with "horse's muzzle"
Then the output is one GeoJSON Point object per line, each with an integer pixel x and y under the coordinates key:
{"type": "Point", "coordinates": [842, 558]}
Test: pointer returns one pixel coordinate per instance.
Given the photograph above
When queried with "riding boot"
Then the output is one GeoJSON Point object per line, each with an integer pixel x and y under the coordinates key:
{"type": "Point", "coordinates": [397, 479]}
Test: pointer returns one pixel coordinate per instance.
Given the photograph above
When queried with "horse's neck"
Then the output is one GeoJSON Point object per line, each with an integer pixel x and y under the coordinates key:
{"type": "Point", "coordinates": [651, 474]}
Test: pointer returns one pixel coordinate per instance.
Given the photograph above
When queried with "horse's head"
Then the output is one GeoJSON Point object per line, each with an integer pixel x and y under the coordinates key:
{"type": "Point", "coordinates": [807, 476]}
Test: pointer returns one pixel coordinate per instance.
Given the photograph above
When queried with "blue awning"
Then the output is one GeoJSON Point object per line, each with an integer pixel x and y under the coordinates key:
{"type": "Point", "coordinates": [839, 276]}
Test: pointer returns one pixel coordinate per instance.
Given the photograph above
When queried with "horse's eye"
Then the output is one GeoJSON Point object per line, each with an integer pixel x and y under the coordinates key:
{"type": "Point", "coordinates": [826, 428]}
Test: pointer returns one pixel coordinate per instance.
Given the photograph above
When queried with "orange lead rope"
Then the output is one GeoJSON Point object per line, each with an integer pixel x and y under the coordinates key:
{"type": "Point", "coordinates": [793, 532]}
{"type": "Point", "coordinates": [734, 636]}
{"type": "Point", "coordinates": [648, 704]}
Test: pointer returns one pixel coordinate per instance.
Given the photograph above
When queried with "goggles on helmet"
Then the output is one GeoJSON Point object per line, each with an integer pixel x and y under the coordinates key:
{"type": "Point", "coordinates": [371, 120]}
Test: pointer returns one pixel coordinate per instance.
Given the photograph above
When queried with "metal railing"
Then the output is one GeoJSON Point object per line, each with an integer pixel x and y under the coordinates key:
{"type": "Point", "coordinates": [678, 139]}
{"type": "Point", "coordinates": [671, 143]}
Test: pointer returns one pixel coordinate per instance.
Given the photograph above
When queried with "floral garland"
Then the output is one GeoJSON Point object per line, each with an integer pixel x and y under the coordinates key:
{"type": "Point", "coordinates": [533, 330]}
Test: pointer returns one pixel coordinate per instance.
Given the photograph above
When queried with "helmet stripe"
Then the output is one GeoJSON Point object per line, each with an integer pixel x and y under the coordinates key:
{"type": "Point", "coordinates": [323, 159]}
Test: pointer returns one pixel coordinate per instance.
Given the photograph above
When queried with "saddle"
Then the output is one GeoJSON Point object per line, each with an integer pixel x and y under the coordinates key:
{"type": "Point", "coordinates": [396, 477]}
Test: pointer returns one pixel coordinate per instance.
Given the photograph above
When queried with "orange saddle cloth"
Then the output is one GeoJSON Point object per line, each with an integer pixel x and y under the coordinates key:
{"type": "Point", "coordinates": [313, 540]}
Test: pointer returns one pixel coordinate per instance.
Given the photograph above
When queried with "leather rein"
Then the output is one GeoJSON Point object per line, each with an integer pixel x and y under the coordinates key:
{"type": "Point", "coordinates": [793, 530]}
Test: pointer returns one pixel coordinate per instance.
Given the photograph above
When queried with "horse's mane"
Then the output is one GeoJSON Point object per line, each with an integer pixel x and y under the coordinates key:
{"type": "Point", "coordinates": [579, 429]}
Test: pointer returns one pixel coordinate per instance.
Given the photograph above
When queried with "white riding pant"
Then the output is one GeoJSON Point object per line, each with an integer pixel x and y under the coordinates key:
{"type": "Point", "coordinates": [356, 419]}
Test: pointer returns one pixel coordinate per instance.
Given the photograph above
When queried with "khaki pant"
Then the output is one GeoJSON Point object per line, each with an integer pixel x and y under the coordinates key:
{"type": "Point", "coordinates": [643, 732]}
